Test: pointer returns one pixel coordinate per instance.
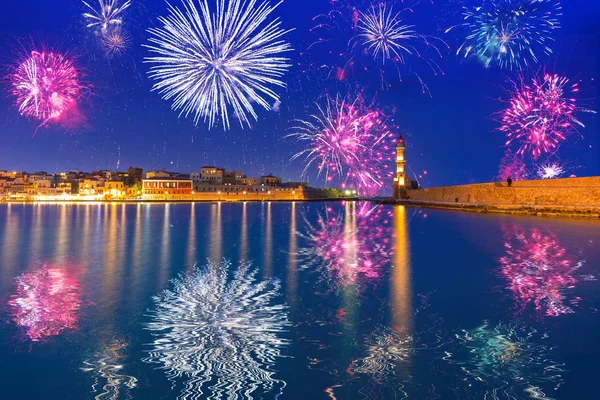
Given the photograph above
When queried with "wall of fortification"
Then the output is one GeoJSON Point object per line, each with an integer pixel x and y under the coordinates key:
{"type": "Point", "coordinates": [573, 191]}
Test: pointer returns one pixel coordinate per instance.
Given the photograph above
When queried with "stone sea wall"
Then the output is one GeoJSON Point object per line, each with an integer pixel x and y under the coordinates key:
{"type": "Point", "coordinates": [568, 191]}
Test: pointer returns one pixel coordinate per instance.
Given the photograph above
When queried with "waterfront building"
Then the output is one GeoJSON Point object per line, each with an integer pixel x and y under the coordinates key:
{"type": "Point", "coordinates": [212, 175]}
{"type": "Point", "coordinates": [167, 186]}
{"type": "Point", "coordinates": [270, 180]}
{"type": "Point", "coordinates": [399, 183]}
{"type": "Point", "coordinates": [135, 174]}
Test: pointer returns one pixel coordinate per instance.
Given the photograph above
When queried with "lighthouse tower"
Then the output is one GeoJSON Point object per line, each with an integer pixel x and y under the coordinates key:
{"type": "Point", "coordinates": [399, 183]}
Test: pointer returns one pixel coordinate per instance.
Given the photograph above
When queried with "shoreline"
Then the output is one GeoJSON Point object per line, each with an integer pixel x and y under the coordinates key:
{"type": "Point", "coordinates": [554, 210]}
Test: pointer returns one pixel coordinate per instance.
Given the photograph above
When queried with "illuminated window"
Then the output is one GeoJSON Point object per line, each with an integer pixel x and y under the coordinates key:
{"type": "Point", "coordinates": [400, 158]}
{"type": "Point", "coordinates": [400, 169]}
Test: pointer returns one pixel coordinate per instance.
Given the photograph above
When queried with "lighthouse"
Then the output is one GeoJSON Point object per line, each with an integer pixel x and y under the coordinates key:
{"type": "Point", "coordinates": [399, 183]}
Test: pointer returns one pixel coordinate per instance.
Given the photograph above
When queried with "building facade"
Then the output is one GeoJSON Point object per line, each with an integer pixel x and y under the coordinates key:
{"type": "Point", "coordinates": [161, 187]}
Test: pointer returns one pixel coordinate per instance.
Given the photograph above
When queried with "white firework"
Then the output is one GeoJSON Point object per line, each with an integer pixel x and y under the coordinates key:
{"type": "Point", "coordinates": [550, 171]}
{"type": "Point", "coordinates": [208, 62]}
{"type": "Point", "coordinates": [109, 13]}
{"type": "Point", "coordinates": [222, 334]}
{"type": "Point", "coordinates": [384, 35]}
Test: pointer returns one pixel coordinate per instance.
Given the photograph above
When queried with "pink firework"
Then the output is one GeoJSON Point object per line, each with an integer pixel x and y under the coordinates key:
{"type": "Point", "coordinates": [512, 166]}
{"type": "Point", "coordinates": [350, 143]}
{"type": "Point", "coordinates": [352, 246]}
{"type": "Point", "coordinates": [541, 115]}
{"type": "Point", "coordinates": [539, 270]}
{"type": "Point", "coordinates": [47, 87]}
{"type": "Point", "coordinates": [46, 302]}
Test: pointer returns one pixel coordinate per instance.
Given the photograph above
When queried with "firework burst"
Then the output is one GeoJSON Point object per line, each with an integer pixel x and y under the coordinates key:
{"type": "Point", "coordinates": [108, 14]}
{"type": "Point", "coordinates": [46, 86]}
{"type": "Point", "coordinates": [348, 141]}
{"type": "Point", "coordinates": [541, 115]}
{"type": "Point", "coordinates": [550, 171]}
{"type": "Point", "coordinates": [115, 42]}
{"type": "Point", "coordinates": [382, 33]}
{"type": "Point", "coordinates": [209, 62]}
{"type": "Point", "coordinates": [360, 38]}
{"type": "Point", "coordinates": [509, 33]}
{"type": "Point", "coordinates": [223, 334]}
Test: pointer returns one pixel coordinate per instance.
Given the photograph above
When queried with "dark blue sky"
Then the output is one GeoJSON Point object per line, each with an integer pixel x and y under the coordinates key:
{"type": "Point", "coordinates": [450, 134]}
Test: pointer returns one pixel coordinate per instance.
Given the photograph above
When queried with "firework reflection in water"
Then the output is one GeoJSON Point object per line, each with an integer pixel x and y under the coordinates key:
{"type": "Point", "coordinates": [106, 367]}
{"type": "Point", "coordinates": [222, 335]}
{"type": "Point", "coordinates": [349, 246]}
{"type": "Point", "coordinates": [507, 361]}
{"type": "Point", "coordinates": [46, 302]}
{"type": "Point", "coordinates": [385, 350]}
{"type": "Point", "coordinates": [539, 270]}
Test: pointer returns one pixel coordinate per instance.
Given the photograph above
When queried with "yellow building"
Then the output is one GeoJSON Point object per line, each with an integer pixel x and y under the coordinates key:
{"type": "Point", "coordinates": [400, 182]}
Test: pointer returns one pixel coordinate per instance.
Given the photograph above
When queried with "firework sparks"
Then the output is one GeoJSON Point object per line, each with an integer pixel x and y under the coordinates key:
{"type": "Point", "coordinates": [539, 270]}
{"type": "Point", "coordinates": [510, 33]}
{"type": "Point", "coordinates": [349, 246]}
{"type": "Point", "coordinates": [108, 14]}
{"type": "Point", "coordinates": [362, 38]}
{"type": "Point", "coordinates": [550, 171]}
{"type": "Point", "coordinates": [350, 142]}
{"type": "Point", "coordinates": [115, 42]}
{"type": "Point", "coordinates": [46, 302]}
{"type": "Point", "coordinates": [46, 86]}
{"type": "Point", "coordinates": [384, 35]}
{"type": "Point", "coordinates": [209, 62]}
{"type": "Point", "coordinates": [541, 115]}
{"type": "Point", "coordinates": [224, 335]}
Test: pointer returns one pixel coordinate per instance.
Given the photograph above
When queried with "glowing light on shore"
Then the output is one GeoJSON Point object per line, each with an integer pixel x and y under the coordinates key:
{"type": "Point", "coordinates": [46, 302]}
{"type": "Point", "coordinates": [209, 62]}
{"type": "Point", "coordinates": [349, 142]}
{"type": "Point", "coordinates": [222, 336]}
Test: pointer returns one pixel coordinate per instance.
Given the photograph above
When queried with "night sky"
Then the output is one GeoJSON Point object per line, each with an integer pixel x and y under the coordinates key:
{"type": "Point", "coordinates": [451, 134]}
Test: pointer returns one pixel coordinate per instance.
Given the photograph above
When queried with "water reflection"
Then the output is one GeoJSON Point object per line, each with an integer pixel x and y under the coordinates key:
{"type": "Point", "coordinates": [350, 245]}
{"type": "Point", "coordinates": [505, 361]}
{"type": "Point", "coordinates": [106, 366]}
{"type": "Point", "coordinates": [46, 302]}
{"type": "Point", "coordinates": [539, 270]}
{"type": "Point", "coordinates": [222, 335]}
{"type": "Point", "coordinates": [389, 350]}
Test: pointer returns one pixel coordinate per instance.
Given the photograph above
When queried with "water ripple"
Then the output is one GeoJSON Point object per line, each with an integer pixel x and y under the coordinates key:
{"type": "Point", "coordinates": [222, 336]}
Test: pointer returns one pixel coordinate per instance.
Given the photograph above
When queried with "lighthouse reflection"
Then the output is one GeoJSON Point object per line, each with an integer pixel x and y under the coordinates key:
{"type": "Point", "coordinates": [389, 349]}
